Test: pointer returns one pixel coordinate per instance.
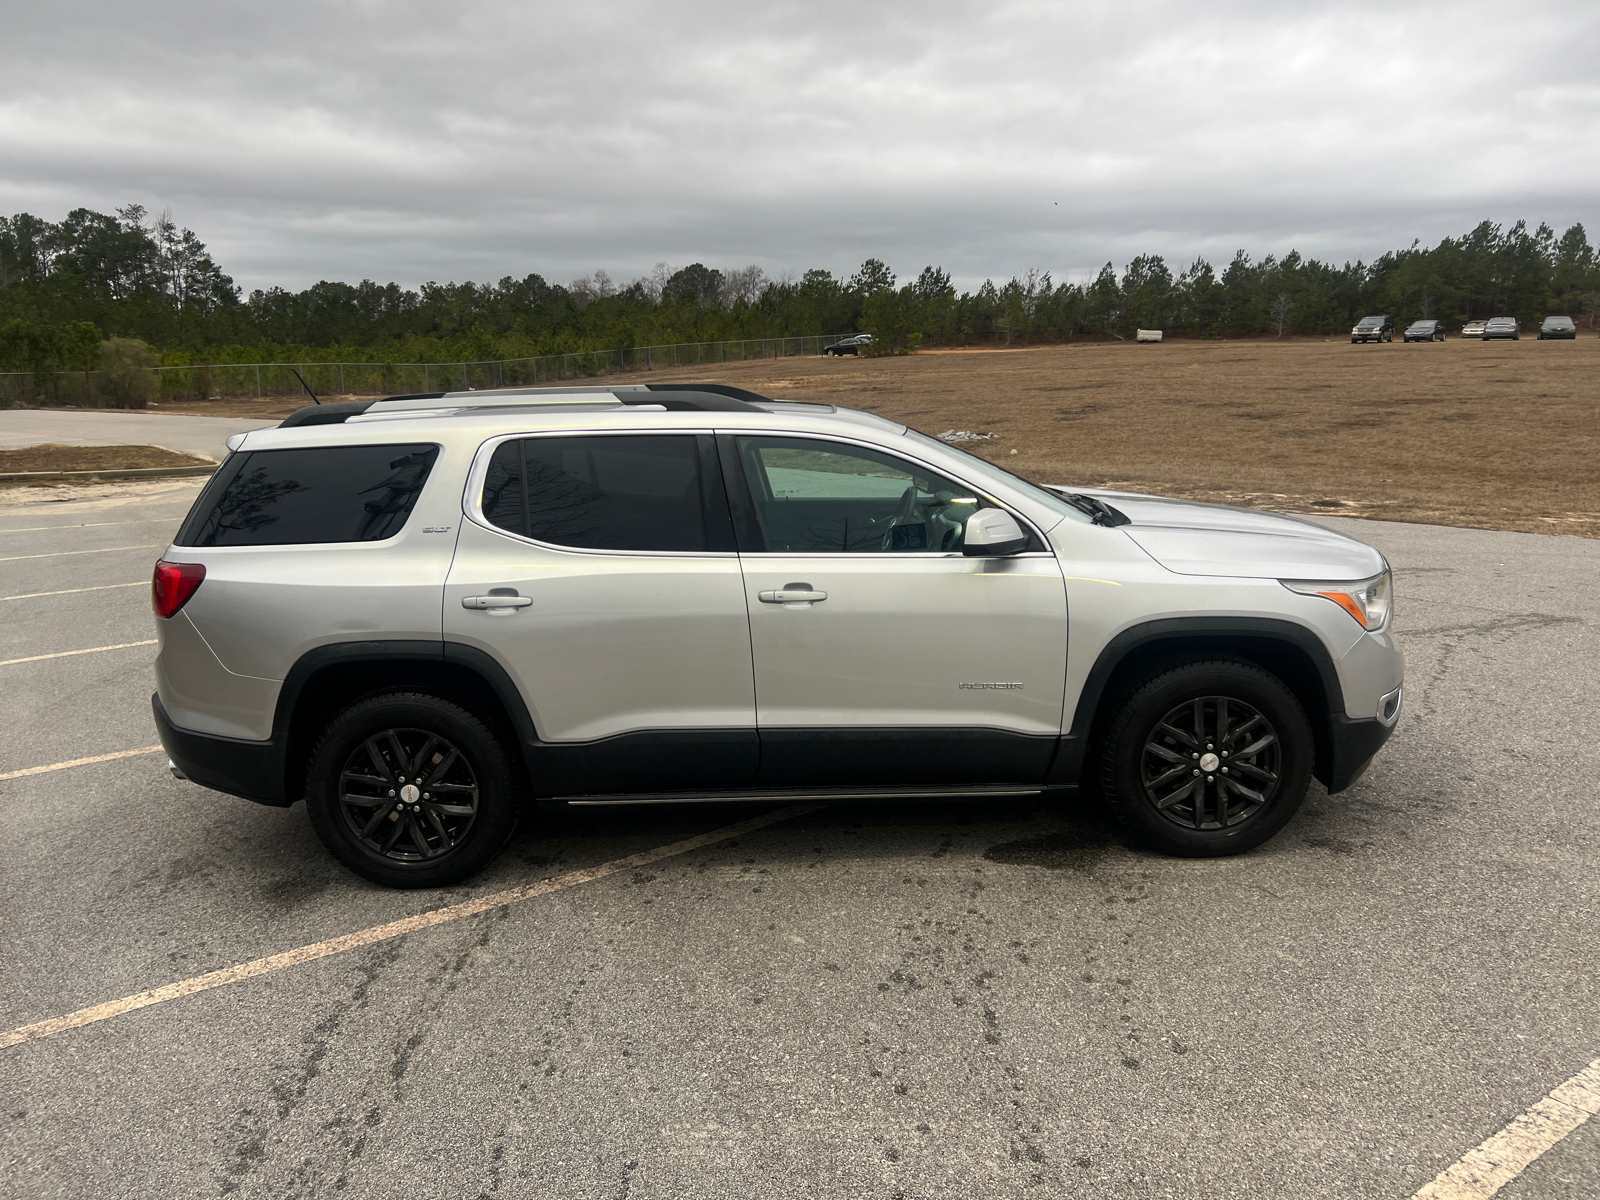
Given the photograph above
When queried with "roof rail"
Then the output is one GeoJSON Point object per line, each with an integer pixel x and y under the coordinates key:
{"type": "Point", "coordinates": [674, 397]}
{"type": "Point", "coordinates": [326, 414]}
{"type": "Point", "coordinates": [746, 398]}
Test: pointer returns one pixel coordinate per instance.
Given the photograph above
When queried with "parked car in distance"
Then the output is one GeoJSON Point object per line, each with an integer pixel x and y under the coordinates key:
{"type": "Point", "coordinates": [1474, 327]}
{"type": "Point", "coordinates": [446, 613]}
{"type": "Point", "coordinates": [849, 345]}
{"type": "Point", "coordinates": [1502, 327]}
{"type": "Point", "coordinates": [1424, 331]}
{"type": "Point", "coordinates": [1558, 327]}
{"type": "Point", "coordinates": [1373, 329]}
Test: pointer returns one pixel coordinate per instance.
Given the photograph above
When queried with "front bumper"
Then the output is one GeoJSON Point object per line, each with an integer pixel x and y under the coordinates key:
{"type": "Point", "coordinates": [1352, 744]}
{"type": "Point", "coordinates": [252, 770]}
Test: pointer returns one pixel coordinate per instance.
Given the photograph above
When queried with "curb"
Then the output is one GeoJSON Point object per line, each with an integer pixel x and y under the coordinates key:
{"type": "Point", "coordinates": [131, 473]}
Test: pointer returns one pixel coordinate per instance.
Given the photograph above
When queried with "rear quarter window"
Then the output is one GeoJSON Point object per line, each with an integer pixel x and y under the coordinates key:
{"type": "Point", "coordinates": [307, 496]}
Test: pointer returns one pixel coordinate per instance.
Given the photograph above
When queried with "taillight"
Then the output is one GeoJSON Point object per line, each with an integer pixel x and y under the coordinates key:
{"type": "Point", "coordinates": [173, 584]}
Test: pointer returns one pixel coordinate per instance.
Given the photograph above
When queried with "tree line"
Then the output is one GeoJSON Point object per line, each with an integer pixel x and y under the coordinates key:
{"type": "Point", "coordinates": [128, 284]}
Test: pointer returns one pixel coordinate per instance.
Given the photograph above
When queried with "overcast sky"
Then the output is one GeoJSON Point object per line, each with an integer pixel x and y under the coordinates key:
{"type": "Point", "coordinates": [481, 138]}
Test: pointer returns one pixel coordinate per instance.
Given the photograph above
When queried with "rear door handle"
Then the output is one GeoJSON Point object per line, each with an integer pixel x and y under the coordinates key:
{"type": "Point", "coordinates": [794, 593]}
{"type": "Point", "coordinates": [512, 601]}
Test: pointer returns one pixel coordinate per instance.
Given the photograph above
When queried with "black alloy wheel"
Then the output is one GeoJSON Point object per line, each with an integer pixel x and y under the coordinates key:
{"type": "Point", "coordinates": [408, 795]}
{"type": "Point", "coordinates": [1211, 762]}
{"type": "Point", "coordinates": [411, 790]}
{"type": "Point", "coordinates": [1205, 757]}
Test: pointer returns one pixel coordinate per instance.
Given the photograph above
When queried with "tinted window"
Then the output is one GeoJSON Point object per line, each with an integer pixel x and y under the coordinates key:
{"type": "Point", "coordinates": [828, 497]}
{"type": "Point", "coordinates": [648, 492]}
{"type": "Point", "coordinates": [317, 494]}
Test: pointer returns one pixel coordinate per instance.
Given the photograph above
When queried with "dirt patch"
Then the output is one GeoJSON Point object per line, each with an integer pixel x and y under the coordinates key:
{"type": "Point", "coordinates": [1431, 432]}
{"type": "Point", "coordinates": [53, 456]}
{"type": "Point", "coordinates": [1487, 435]}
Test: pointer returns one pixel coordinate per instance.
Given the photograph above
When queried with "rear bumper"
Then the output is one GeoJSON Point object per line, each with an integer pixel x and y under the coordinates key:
{"type": "Point", "coordinates": [252, 770]}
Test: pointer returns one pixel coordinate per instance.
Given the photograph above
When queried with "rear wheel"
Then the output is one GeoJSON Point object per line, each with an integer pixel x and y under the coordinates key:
{"type": "Point", "coordinates": [411, 790]}
{"type": "Point", "coordinates": [1206, 758]}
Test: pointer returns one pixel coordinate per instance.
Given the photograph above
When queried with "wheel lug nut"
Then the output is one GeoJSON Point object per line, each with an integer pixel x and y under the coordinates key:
{"type": "Point", "coordinates": [1209, 746]}
{"type": "Point", "coordinates": [391, 791]}
{"type": "Point", "coordinates": [1224, 770]}
{"type": "Point", "coordinates": [1209, 779]}
{"type": "Point", "coordinates": [1196, 772]}
{"type": "Point", "coordinates": [425, 796]}
{"type": "Point", "coordinates": [1196, 755]}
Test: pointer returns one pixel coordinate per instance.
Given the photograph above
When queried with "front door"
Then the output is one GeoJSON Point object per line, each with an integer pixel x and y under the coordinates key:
{"type": "Point", "coordinates": [599, 571]}
{"type": "Point", "coordinates": [883, 656]}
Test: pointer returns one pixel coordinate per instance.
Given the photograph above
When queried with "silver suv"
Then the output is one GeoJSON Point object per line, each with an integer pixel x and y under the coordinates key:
{"type": "Point", "coordinates": [428, 615]}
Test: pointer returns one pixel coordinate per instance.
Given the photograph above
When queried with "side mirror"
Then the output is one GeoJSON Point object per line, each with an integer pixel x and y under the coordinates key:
{"type": "Point", "coordinates": [993, 533]}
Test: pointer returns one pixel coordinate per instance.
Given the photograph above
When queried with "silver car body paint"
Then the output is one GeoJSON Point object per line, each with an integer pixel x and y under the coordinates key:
{"type": "Point", "coordinates": [622, 641]}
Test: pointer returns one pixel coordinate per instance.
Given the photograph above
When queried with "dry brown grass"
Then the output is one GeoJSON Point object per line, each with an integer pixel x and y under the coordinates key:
{"type": "Point", "coordinates": [1497, 435]}
{"type": "Point", "coordinates": [52, 456]}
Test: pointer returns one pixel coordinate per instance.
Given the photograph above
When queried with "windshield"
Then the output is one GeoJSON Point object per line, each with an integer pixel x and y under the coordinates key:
{"type": "Point", "coordinates": [997, 474]}
{"type": "Point", "coordinates": [1422, 324]}
{"type": "Point", "coordinates": [1371, 321]}
{"type": "Point", "coordinates": [1561, 322]}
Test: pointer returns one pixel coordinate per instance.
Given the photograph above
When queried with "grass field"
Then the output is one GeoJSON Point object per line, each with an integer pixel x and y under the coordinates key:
{"type": "Point", "coordinates": [1496, 435]}
{"type": "Point", "coordinates": [53, 457]}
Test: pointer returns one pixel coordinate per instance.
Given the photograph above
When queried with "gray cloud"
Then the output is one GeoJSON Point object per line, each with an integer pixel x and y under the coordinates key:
{"type": "Point", "coordinates": [421, 141]}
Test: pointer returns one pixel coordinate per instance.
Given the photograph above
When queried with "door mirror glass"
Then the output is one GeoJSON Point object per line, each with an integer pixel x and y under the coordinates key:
{"type": "Point", "coordinates": [993, 533]}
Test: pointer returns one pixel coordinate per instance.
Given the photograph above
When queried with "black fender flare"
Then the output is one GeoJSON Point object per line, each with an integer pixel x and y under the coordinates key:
{"type": "Point", "coordinates": [1069, 762]}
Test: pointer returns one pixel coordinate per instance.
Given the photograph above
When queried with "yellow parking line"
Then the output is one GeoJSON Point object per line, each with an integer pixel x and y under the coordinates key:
{"type": "Point", "coordinates": [79, 762]}
{"type": "Point", "coordinates": [104, 587]}
{"type": "Point", "coordinates": [1492, 1164]}
{"type": "Point", "coordinates": [66, 553]}
{"type": "Point", "coordinates": [8, 662]}
{"type": "Point", "coordinates": [381, 933]}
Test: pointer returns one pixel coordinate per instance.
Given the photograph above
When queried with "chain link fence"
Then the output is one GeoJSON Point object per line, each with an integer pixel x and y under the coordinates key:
{"type": "Point", "coordinates": [222, 381]}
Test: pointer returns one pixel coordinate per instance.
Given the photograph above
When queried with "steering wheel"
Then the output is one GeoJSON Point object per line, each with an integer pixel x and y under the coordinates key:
{"type": "Point", "coordinates": [905, 514]}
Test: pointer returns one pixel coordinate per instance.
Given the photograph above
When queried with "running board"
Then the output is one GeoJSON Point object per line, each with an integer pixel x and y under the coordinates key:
{"type": "Point", "coordinates": [786, 796]}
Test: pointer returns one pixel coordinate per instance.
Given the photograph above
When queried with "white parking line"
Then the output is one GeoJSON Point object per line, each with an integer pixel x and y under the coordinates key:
{"type": "Point", "coordinates": [381, 933]}
{"type": "Point", "coordinates": [65, 553]}
{"type": "Point", "coordinates": [84, 525]}
{"type": "Point", "coordinates": [79, 762]}
{"type": "Point", "coordinates": [8, 662]}
{"type": "Point", "coordinates": [1488, 1167]}
{"type": "Point", "coordinates": [103, 587]}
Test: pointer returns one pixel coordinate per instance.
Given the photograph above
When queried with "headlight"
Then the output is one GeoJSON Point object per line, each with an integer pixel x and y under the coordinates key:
{"type": "Point", "coordinates": [1368, 601]}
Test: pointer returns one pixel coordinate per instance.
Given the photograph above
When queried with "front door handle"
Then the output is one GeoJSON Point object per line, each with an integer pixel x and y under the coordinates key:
{"type": "Point", "coordinates": [793, 593]}
{"type": "Point", "coordinates": [492, 601]}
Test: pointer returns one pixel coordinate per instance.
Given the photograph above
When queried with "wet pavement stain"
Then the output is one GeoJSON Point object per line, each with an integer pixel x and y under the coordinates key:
{"type": "Point", "coordinates": [1075, 849]}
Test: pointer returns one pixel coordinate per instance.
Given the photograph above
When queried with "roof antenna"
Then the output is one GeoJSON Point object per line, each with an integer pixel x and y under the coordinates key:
{"type": "Point", "coordinates": [305, 385]}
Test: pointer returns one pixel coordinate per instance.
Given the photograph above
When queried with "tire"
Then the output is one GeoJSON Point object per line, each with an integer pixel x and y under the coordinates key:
{"type": "Point", "coordinates": [372, 758]}
{"type": "Point", "coordinates": [1151, 732]}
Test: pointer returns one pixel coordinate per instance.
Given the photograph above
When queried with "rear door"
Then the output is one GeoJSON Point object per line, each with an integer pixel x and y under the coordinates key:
{"type": "Point", "coordinates": [883, 656]}
{"type": "Point", "coordinates": [600, 571]}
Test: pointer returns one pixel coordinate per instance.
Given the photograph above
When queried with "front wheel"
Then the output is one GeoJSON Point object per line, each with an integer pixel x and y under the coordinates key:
{"type": "Point", "coordinates": [1206, 758]}
{"type": "Point", "coordinates": [411, 790]}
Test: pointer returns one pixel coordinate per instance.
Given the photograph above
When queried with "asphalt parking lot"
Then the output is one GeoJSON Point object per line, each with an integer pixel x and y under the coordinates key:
{"type": "Point", "coordinates": [951, 1000]}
